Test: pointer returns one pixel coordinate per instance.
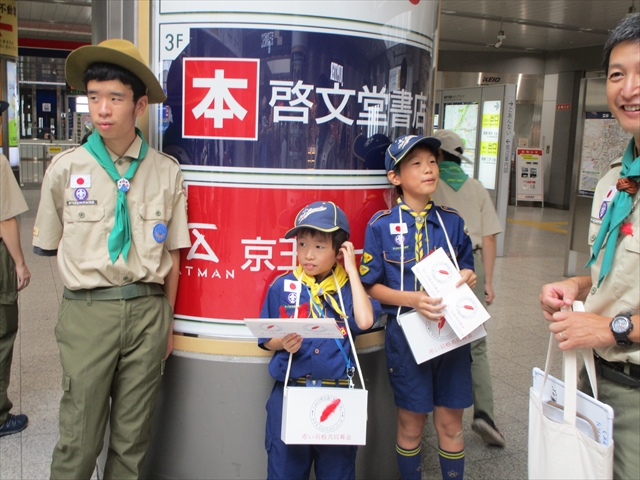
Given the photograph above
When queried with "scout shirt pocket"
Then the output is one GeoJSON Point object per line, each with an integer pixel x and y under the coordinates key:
{"type": "Point", "coordinates": [626, 275]}
{"type": "Point", "coordinates": [149, 229]}
{"type": "Point", "coordinates": [85, 235]}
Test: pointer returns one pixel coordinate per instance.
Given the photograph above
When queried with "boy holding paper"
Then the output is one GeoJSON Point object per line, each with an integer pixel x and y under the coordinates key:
{"type": "Point", "coordinates": [322, 232]}
{"type": "Point", "coordinates": [441, 385]}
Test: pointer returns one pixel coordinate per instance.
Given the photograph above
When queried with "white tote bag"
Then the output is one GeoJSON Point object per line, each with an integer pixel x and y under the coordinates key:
{"type": "Point", "coordinates": [562, 450]}
{"type": "Point", "coordinates": [325, 415]}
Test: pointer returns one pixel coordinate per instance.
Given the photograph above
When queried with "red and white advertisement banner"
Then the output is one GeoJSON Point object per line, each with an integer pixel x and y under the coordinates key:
{"type": "Point", "coordinates": [238, 244]}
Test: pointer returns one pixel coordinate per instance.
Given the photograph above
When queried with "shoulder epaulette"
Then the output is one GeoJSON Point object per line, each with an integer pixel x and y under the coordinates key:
{"type": "Point", "coordinates": [168, 156]}
{"type": "Point", "coordinates": [449, 210]}
{"type": "Point", "coordinates": [278, 278]}
{"type": "Point", "coordinates": [62, 154]}
{"type": "Point", "coordinates": [378, 215]}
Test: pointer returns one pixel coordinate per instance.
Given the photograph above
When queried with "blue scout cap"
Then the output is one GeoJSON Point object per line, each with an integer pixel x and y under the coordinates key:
{"type": "Point", "coordinates": [322, 216]}
{"type": "Point", "coordinates": [371, 150]}
{"type": "Point", "coordinates": [404, 144]}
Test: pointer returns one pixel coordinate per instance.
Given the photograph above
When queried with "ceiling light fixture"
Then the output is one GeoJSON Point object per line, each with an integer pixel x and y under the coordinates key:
{"type": "Point", "coordinates": [501, 37]}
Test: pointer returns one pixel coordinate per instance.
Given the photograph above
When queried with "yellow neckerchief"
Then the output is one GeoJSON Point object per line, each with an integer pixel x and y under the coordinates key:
{"type": "Point", "coordinates": [421, 220]}
{"type": "Point", "coordinates": [325, 288]}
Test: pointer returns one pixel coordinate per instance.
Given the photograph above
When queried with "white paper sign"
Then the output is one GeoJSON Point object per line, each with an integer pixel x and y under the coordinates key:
{"type": "Point", "coordinates": [305, 327]}
{"type": "Point", "coordinates": [463, 311]}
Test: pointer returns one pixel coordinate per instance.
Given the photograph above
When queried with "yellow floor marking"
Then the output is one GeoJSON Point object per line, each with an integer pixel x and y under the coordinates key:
{"type": "Point", "coordinates": [550, 226]}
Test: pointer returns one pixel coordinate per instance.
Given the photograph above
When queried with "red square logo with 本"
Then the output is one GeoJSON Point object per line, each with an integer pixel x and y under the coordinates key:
{"type": "Point", "coordinates": [220, 98]}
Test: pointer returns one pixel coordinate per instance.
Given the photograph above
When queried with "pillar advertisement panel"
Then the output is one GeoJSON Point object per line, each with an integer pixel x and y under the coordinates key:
{"type": "Point", "coordinates": [274, 105]}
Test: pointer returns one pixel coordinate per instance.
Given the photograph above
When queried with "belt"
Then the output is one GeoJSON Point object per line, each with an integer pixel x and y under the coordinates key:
{"type": "Point", "coordinates": [126, 292]}
{"type": "Point", "coordinates": [624, 373]}
{"type": "Point", "coordinates": [313, 382]}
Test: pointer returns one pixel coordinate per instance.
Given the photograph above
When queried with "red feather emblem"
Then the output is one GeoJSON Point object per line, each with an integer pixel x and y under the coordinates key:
{"type": "Point", "coordinates": [329, 409]}
{"type": "Point", "coordinates": [441, 324]}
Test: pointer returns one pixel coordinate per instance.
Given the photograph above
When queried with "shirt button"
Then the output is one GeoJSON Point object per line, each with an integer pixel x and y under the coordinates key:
{"type": "Point", "coordinates": [81, 214]}
{"type": "Point", "coordinates": [316, 351]}
{"type": "Point", "coordinates": [120, 162]}
{"type": "Point", "coordinates": [125, 278]}
{"type": "Point", "coordinates": [157, 213]}
{"type": "Point", "coordinates": [594, 290]}
{"type": "Point", "coordinates": [391, 370]}
{"type": "Point", "coordinates": [593, 238]}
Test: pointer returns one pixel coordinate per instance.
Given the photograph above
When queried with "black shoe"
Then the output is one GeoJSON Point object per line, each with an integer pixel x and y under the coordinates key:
{"type": "Point", "coordinates": [14, 424]}
{"type": "Point", "coordinates": [487, 430]}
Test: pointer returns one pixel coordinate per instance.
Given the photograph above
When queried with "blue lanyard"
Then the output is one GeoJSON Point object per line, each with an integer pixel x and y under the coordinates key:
{"type": "Point", "coordinates": [320, 312]}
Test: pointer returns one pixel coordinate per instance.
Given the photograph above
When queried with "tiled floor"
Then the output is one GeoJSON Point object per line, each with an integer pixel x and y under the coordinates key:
{"type": "Point", "coordinates": [518, 338]}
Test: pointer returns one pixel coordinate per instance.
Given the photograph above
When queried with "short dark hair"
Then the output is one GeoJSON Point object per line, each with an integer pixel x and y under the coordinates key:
{"type": "Point", "coordinates": [104, 72]}
{"type": "Point", "coordinates": [450, 157]}
{"type": "Point", "coordinates": [337, 238]}
{"type": "Point", "coordinates": [396, 168]}
{"type": "Point", "coordinates": [628, 30]}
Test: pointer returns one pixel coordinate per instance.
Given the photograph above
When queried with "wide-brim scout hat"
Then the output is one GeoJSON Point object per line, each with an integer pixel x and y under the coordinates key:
{"type": "Point", "coordinates": [322, 216]}
{"type": "Point", "coordinates": [371, 150]}
{"type": "Point", "coordinates": [118, 52]}
{"type": "Point", "coordinates": [403, 145]}
{"type": "Point", "coordinates": [451, 143]}
{"type": "Point", "coordinates": [3, 106]}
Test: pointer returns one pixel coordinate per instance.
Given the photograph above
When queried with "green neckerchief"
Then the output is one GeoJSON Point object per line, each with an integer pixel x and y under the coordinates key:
{"type": "Point", "coordinates": [618, 210]}
{"type": "Point", "coordinates": [451, 173]}
{"type": "Point", "coordinates": [120, 236]}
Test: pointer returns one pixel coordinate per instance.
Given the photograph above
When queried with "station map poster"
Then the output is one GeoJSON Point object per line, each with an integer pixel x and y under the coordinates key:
{"type": "Point", "coordinates": [603, 141]}
{"type": "Point", "coordinates": [462, 118]}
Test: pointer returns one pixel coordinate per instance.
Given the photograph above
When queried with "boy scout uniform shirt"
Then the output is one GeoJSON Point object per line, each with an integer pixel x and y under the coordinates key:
{"type": "Point", "coordinates": [468, 200]}
{"type": "Point", "coordinates": [619, 291]}
{"type": "Point", "coordinates": [12, 202]}
{"type": "Point", "coordinates": [78, 224]}
{"type": "Point", "coordinates": [380, 261]}
{"type": "Point", "coordinates": [318, 357]}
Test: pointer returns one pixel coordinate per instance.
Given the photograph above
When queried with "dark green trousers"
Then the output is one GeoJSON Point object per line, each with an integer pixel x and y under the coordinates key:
{"type": "Point", "coordinates": [8, 325]}
{"type": "Point", "coordinates": [480, 372]}
{"type": "Point", "coordinates": [109, 350]}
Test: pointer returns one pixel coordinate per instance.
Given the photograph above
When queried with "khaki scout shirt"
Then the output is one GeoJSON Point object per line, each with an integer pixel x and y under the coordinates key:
{"type": "Point", "coordinates": [620, 289]}
{"type": "Point", "coordinates": [475, 206]}
{"type": "Point", "coordinates": [79, 230]}
{"type": "Point", "coordinates": [12, 202]}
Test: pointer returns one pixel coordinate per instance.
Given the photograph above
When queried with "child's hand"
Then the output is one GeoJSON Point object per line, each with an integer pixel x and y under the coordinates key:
{"type": "Point", "coordinates": [349, 257]}
{"type": "Point", "coordinates": [429, 307]}
{"type": "Point", "coordinates": [469, 277]}
{"type": "Point", "coordinates": [292, 342]}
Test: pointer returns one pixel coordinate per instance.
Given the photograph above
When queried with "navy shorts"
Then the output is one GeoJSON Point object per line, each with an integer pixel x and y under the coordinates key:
{"type": "Point", "coordinates": [444, 381]}
{"type": "Point", "coordinates": [294, 461]}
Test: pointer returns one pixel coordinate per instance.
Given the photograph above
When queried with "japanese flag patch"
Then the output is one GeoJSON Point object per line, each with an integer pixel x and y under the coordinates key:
{"type": "Point", "coordinates": [396, 228]}
{"type": "Point", "coordinates": [80, 181]}
{"type": "Point", "coordinates": [292, 286]}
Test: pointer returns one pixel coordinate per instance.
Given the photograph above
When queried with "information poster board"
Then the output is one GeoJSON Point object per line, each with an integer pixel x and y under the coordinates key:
{"type": "Point", "coordinates": [529, 175]}
{"type": "Point", "coordinates": [462, 118]}
{"type": "Point", "coordinates": [489, 137]}
{"type": "Point", "coordinates": [603, 141]}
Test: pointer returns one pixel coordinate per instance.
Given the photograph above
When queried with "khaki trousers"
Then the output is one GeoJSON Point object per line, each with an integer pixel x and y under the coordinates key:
{"type": "Point", "coordinates": [108, 350]}
{"type": "Point", "coordinates": [8, 325]}
{"type": "Point", "coordinates": [625, 402]}
{"type": "Point", "coordinates": [480, 372]}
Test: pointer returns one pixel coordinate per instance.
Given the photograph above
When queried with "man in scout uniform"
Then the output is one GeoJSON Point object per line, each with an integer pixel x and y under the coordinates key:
{"type": "Point", "coordinates": [469, 197]}
{"type": "Point", "coordinates": [14, 276]}
{"type": "Point", "coordinates": [611, 324]}
{"type": "Point", "coordinates": [114, 213]}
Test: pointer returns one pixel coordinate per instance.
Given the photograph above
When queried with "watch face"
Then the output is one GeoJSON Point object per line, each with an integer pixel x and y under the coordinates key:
{"type": "Point", "coordinates": [620, 324]}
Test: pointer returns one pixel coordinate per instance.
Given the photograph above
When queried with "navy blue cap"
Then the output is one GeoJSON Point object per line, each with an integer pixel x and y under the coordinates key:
{"type": "Point", "coordinates": [403, 145]}
{"type": "Point", "coordinates": [322, 216]}
{"type": "Point", "coordinates": [371, 150]}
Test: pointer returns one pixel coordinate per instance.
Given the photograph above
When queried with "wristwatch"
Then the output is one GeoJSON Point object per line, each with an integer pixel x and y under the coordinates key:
{"type": "Point", "coordinates": [621, 327]}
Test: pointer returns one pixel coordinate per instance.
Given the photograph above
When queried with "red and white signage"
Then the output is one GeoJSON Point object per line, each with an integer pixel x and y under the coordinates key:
{"type": "Point", "coordinates": [220, 98]}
